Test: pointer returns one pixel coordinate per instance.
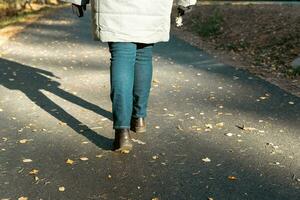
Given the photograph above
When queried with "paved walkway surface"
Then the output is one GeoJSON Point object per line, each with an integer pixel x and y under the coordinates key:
{"type": "Point", "coordinates": [54, 106]}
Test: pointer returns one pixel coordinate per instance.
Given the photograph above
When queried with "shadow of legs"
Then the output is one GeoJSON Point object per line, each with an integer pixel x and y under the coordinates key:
{"type": "Point", "coordinates": [56, 111]}
{"type": "Point", "coordinates": [81, 102]}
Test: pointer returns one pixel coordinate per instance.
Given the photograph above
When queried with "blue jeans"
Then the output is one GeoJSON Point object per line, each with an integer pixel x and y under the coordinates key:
{"type": "Point", "coordinates": [130, 81]}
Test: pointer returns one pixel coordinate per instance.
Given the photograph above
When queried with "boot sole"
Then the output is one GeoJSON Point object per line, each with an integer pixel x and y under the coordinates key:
{"type": "Point", "coordinates": [124, 149]}
{"type": "Point", "coordinates": [138, 130]}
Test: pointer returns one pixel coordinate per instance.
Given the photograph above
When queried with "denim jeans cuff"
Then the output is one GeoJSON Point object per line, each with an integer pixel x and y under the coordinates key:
{"type": "Point", "coordinates": [138, 116]}
{"type": "Point", "coordinates": [118, 127]}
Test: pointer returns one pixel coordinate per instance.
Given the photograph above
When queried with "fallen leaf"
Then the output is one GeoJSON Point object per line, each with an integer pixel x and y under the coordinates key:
{"type": "Point", "coordinates": [69, 161]}
{"type": "Point", "coordinates": [138, 141]}
{"type": "Point", "coordinates": [179, 127]}
{"type": "Point", "coordinates": [232, 178]}
{"type": "Point", "coordinates": [263, 98]}
{"type": "Point", "coordinates": [23, 198]}
{"type": "Point", "coordinates": [154, 157]}
{"type": "Point", "coordinates": [34, 172]}
{"type": "Point", "coordinates": [125, 151]}
{"type": "Point", "coordinates": [27, 160]}
{"type": "Point", "coordinates": [208, 126]}
{"type": "Point", "coordinates": [36, 178]}
{"type": "Point", "coordinates": [62, 123]}
{"type": "Point", "coordinates": [155, 81]}
{"type": "Point", "coordinates": [229, 134]}
{"type": "Point", "coordinates": [221, 124]}
{"type": "Point", "coordinates": [246, 128]}
{"type": "Point", "coordinates": [23, 141]}
{"type": "Point", "coordinates": [84, 158]}
{"type": "Point", "coordinates": [206, 159]}
{"type": "Point", "coordinates": [61, 189]}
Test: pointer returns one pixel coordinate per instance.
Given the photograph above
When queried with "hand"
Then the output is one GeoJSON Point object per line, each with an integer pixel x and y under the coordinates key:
{"type": "Point", "coordinates": [184, 10]}
{"type": "Point", "coordinates": [78, 9]}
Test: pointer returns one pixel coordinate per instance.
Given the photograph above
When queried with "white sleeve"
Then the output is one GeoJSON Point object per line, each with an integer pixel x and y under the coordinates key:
{"type": "Point", "coordinates": [186, 3]}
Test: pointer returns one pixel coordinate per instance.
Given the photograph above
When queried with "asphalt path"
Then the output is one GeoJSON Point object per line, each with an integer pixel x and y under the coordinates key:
{"type": "Point", "coordinates": [213, 131]}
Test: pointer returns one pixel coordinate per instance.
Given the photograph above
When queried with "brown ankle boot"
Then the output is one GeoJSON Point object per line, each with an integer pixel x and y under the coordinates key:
{"type": "Point", "coordinates": [122, 142]}
{"type": "Point", "coordinates": [138, 125]}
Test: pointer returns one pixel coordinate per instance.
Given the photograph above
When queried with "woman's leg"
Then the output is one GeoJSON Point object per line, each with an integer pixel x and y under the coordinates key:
{"type": "Point", "coordinates": [123, 56]}
{"type": "Point", "coordinates": [142, 79]}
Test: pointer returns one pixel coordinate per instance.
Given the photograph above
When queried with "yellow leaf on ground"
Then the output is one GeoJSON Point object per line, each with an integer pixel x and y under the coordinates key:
{"type": "Point", "coordinates": [23, 141]}
{"type": "Point", "coordinates": [23, 198]}
{"type": "Point", "coordinates": [61, 188]}
{"type": "Point", "coordinates": [69, 161]}
{"type": "Point", "coordinates": [33, 172]}
{"type": "Point", "coordinates": [232, 178]}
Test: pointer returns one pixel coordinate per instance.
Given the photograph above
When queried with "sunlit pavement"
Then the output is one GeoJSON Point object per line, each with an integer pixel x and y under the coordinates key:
{"type": "Point", "coordinates": [213, 131]}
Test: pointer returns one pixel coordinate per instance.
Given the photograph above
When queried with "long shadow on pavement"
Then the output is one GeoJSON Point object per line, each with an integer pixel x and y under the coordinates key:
{"type": "Point", "coordinates": [31, 81]}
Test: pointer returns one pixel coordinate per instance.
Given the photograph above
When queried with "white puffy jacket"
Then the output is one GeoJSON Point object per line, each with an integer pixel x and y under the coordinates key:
{"type": "Point", "coordinates": [143, 21]}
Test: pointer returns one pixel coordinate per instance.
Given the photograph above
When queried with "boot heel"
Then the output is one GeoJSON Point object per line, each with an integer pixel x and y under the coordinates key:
{"type": "Point", "coordinates": [122, 142]}
{"type": "Point", "coordinates": [138, 125]}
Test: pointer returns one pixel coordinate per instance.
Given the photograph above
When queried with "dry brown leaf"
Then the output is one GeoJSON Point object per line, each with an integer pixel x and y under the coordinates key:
{"type": "Point", "coordinates": [233, 178]}
{"type": "Point", "coordinates": [34, 172]}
